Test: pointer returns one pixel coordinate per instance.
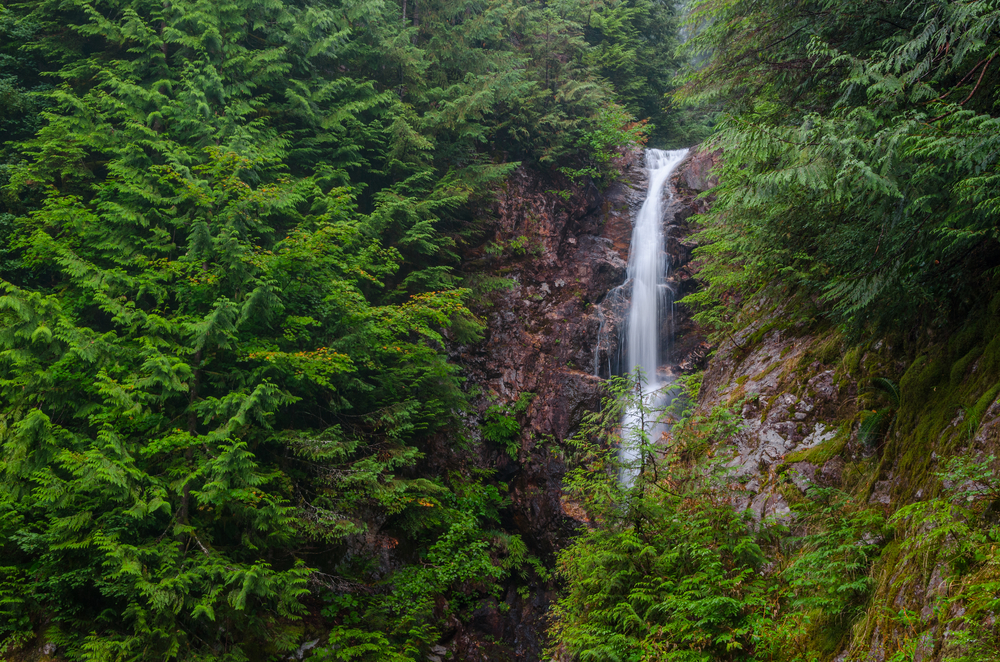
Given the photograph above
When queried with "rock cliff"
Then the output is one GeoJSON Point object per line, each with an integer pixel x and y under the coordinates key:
{"type": "Point", "coordinates": [884, 420]}
{"type": "Point", "coordinates": [557, 251]}
{"type": "Point", "coordinates": [880, 419]}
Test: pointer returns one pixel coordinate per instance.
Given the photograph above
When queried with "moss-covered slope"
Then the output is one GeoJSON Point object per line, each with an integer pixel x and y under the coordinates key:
{"type": "Point", "coordinates": [907, 427]}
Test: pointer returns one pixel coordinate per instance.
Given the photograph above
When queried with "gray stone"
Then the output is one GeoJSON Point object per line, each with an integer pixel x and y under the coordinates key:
{"type": "Point", "coordinates": [803, 474]}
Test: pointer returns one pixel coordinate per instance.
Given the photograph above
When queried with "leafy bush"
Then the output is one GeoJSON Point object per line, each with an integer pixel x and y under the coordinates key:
{"type": "Point", "coordinates": [669, 570]}
{"type": "Point", "coordinates": [500, 424]}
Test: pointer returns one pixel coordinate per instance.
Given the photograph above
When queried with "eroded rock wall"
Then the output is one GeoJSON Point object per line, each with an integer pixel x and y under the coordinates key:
{"type": "Point", "coordinates": [558, 248]}
{"type": "Point", "coordinates": [800, 393]}
{"type": "Point", "coordinates": [561, 249]}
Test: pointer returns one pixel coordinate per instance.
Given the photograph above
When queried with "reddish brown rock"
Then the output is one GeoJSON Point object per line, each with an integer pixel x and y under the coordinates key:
{"type": "Point", "coordinates": [562, 255]}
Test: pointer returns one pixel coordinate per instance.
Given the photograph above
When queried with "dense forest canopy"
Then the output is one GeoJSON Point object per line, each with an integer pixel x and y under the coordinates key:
{"type": "Point", "coordinates": [228, 240]}
{"type": "Point", "coordinates": [230, 235]}
{"type": "Point", "coordinates": [861, 145]}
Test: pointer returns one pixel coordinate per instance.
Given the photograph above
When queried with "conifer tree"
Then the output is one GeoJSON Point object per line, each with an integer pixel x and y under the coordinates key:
{"type": "Point", "coordinates": [861, 152]}
{"type": "Point", "coordinates": [228, 237]}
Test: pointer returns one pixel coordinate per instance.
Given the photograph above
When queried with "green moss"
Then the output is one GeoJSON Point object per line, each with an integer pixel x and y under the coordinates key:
{"type": "Point", "coordinates": [935, 386]}
{"type": "Point", "coordinates": [741, 380]}
{"type": "Point", "coordinates": [767, 408]}
{"type": "Point", "coordinates": [928, 405]}
{"type": "Point", "coordinates": [961, 366]}
{"type": "Point", "coordinates": [779, 323]}
{"type": "Point", "coordinates": [765, 328]}
{"type": "Point", "coordinates": [994, 307]}
{"type": "Point", "coordinates": [934, 389]}
{"type": "Point", "coordinates": [792, 494]}
{"type": "Point", "coordinates": [826, 633]}
{"type": "Point", "coordinates": [989, 364]}
{"type": "Point", "coordinates": [825, 349]}
{"type": "Point", "coordinates": [852, 361]}
{"type": "Point", "coordinates": [856, 477]}
{"type": "Point", "coordinates": [921, 379]}
{"type": "Point", "coordinates": [966, 338]}
{"type": "Point", "coordinates": [974, 414]}
{"type": "Point", "coordinates": [767, 371]}
{"type": "Point", "coordinates": [886, 566]}
{"type": "Point", "coordinates": [819, 455]}
{"type": "Point", "coordinates": [830, 350]}
{"type": "Point", "coordinates": [737, 395]}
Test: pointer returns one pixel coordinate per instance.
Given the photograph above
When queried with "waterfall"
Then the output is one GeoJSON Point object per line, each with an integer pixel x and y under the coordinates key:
{"type": "Point", "coordinates": [648, 267]}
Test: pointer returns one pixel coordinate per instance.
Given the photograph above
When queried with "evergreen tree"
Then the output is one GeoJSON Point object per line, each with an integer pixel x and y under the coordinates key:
{"type": "Point", "coordinates": [861, 154]}
{"type": "Point", "coordinates": [227, 241]}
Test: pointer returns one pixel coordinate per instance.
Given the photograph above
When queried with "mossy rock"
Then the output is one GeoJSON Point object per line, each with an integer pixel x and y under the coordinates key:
{"type": "Point", "coordinates": [852, 361]}
{"type": "Point", "coordinates": [824, 452]}
{"type": "Point", "coordinates": [766, 371]}
{"type": "Point", "coordinates": [826, 634]}
{"type": "Point", "coordinates": [937, 386]}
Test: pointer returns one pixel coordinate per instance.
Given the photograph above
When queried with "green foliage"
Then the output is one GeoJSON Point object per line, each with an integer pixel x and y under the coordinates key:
{"type": "Point", "coordinates": [227, 241]}
{"type": "Point", "coordinates": [353, 644]}
{"type": "Point", "coordinates": [876, 422]}
{"type": "Point", "coordinates": [615, 127]}
{"type": "Point", "coordinates": [634, 45]}
{"type": "Point", "coordinates": [518, 246]}
{"type": "Point", "coordinates": [500, 424]}
{"type": "Point", "coordinates": [229, 234]}
{"type": "Point", "coordinates": [670, 570]}
{"type": "Point", "coordinates": [860, 155]}
{"type": "Point", "coordinates": [685, 587]}
{"type": "Point", "coordinates": [830, 572]}
{"type": "Point", "coordinates": [959, 530]}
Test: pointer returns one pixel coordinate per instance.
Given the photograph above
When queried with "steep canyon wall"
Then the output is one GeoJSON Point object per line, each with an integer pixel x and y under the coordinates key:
{"type": "Point", "coordinates": [800, 392]}
{"type": "Point", "coordinates": [558, 250]}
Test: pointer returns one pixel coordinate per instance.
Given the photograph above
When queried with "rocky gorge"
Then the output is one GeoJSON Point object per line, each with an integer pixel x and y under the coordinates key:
{"type": "Point", "coordinates": [798, 390]}
{"type": "Point", "coordinates": [550, 334]}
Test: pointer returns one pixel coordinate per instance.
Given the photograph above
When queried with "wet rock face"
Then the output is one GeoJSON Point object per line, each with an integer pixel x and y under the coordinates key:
{"type": "Point", "coordinates": [789, 405]}
{"type": "Point", "coordinates": [683, 344]}
{"type": "Point", "coordinates": [698, 175]}
{"type": "Point", "coordinates": [542, 329]}
{"type": "Point", "coordinates": [687, 347]}
{"type": "Point", "coordinates": [561, 256]}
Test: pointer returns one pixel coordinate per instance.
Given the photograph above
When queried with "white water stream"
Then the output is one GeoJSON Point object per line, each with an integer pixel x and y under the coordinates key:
{"type": "Point", "coordinates": [648, 267]}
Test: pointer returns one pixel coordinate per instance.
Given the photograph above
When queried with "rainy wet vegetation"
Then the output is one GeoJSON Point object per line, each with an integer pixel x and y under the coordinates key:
{"type": "Point", "coordinates": [253, 254]}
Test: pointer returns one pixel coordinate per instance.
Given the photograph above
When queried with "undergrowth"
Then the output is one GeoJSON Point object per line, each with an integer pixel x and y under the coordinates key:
{"type": "Point", "coordinates": [674, 572]}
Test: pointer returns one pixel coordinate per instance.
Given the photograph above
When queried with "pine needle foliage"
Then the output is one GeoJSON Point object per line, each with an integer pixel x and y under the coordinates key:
{"type": "Point", "coordinates": [228, 232]}
{"type": "Point", "coordinates": [860, 147]}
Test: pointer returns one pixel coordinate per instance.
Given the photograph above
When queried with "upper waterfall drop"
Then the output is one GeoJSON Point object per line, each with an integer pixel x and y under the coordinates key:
{"type": "Point", "coordinates": [648, 267]}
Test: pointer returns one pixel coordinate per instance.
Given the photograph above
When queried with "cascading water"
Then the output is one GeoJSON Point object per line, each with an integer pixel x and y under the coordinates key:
{"type": "Point", "coordinates": [651, 296]}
